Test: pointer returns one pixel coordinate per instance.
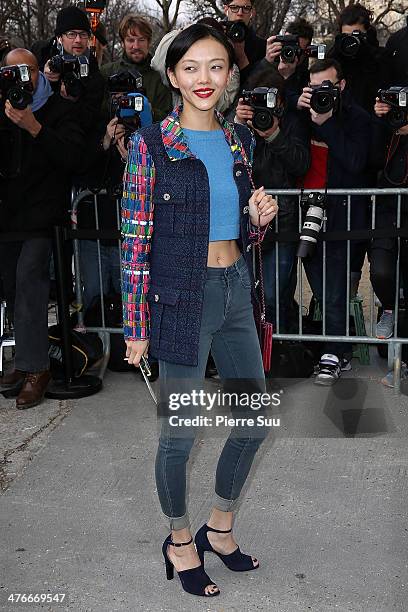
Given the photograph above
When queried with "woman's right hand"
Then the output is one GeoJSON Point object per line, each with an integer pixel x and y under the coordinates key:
{"type": "Point", "coordinates": [135, 349]}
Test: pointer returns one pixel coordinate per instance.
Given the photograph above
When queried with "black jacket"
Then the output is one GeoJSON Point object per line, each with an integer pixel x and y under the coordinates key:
{"type": "Point", "coordinates": [255, 50]}
{"type": "Point", "coordinates": [38, 197]}
{"type": "Point", "coordinates": [347, 135]}
{"type": "Point", "coordinates": [397, 46]}
{"type": "Point", "coordinates": [281, 164]}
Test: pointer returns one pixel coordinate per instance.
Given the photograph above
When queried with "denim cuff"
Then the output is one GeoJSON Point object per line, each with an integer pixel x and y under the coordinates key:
{"type": "Point", "coordinates": [178, 522]}
{"type": "Point", "coordinates": [225, 505]}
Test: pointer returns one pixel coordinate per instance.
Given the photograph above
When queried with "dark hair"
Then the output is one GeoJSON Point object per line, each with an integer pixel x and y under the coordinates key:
{"type": "Point", "coordinates": [355, 13]}
{"type": "Point", "coordinates": [212, 22]}
{"type": "Point", "coordinates": [266, 78]}
{"type": "Point", "coordinates": [325, 64]}
{"type": "Point", "coordinates": [300, 27]}
{"type": "Point", "coordinates": [187, 37]}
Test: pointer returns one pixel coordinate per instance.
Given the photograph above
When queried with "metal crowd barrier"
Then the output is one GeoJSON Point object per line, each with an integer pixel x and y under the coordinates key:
{"type": "Point", "coordinates": [394, 343]}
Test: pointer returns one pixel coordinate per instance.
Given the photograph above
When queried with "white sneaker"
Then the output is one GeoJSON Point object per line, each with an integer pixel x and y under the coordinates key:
{"type": "Point", "coordinates": [329, 370]}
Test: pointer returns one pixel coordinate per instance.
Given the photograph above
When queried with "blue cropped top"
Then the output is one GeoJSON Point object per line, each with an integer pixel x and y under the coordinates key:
{"type": "Point", "coordinates": [215, 153]}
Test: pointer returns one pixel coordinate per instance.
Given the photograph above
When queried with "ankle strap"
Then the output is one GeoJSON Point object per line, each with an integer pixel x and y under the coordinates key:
{"type": "Point", "coordinates": [180, 543]}
{"type": "Point", "coordinates": [218, 530]}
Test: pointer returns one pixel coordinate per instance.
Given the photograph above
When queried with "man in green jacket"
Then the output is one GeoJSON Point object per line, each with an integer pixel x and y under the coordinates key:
{"type": "Point", "coordinates": [136, 35]}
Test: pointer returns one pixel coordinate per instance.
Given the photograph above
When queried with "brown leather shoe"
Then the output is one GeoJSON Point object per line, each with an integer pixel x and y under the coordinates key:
{"type": "Point", "coordinates": [12, 378]}
{"type": "Point", "coordinates": [34, 387]}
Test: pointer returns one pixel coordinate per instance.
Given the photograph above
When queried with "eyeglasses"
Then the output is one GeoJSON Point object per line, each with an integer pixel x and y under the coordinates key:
{"type": "Point", "coordinates": [234, 8]}
{"type": "Point", "coordinates": [72, 35]}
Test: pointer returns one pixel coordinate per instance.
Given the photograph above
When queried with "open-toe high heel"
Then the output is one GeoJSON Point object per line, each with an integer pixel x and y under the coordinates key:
{"type": "Point", "coordinates": [193, 580]}
{"type": "Point", "coordinates": [235, 561]}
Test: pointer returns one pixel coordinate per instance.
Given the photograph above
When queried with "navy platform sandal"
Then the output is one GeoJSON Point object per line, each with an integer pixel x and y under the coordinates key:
{"type": "Point", "coordinates": [193, 581]}
{"type": "Point", "coordinates": [235, 561]}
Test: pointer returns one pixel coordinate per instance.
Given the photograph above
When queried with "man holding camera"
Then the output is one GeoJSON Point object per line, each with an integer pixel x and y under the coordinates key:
{"type": "Point", "coordinates": [340, 137]}
{"type": "Point", "coordinates": [136, 36]}
{"type": "Point", "coordinates": [357, 50]}
{"type": "Point", "coordinates": [34, 197]}
{"type": "Point", "coordinates": [74, 71]}
{"type": "Point", "coordinates": [249, 48]}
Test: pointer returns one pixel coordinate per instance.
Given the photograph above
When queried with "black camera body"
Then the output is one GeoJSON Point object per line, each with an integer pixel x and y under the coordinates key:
{"type": "Point", "coordinates": [290, 47]}
{"type": "Point", "coordinates": [397, 98]}
{"type": "Point", "coordinates": [16, 85]}
{"type": "Point", "coordinates": [348, 45]}
{"type": "Point", "coordinates": [236, 31]}
{"type": "Point", "coordinates": [318, 51]}
{"type": "Point", "coordinates": [94, 6]}
{"type": "Point", "coordinates": [325, 97]}
{"type": "Point", "coordinates": [314, 204]}
{"type": "Point", "coordinates": [264, 103]}
{"type": "Point", "coordinates": [72, 71]}
{"type": "Point", "coordinates": [126, 81]}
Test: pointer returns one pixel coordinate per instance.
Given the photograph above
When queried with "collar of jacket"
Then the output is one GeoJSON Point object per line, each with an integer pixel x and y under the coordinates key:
{"type": "Point", "coordinates": [142, 67]}
{"type": "Point", "coordinates": [175, 142]}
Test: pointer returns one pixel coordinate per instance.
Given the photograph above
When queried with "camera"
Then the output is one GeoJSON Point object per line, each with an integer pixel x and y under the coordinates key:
{"type": "Point", "coordinates": [264, 102]}
{"type": "Point", "coordinates": [16, 85]}
{"type": "Point", "coordinates": [94, 6]}
{"type": "Point", "coordinates": [125, 81]}
{"type": "Point", "coordinates": [72, 71]}
{"type": "Point", "coordinates": [318, 51]}
{"type": "Point", "coordinates": [236, 31]}
{"type": "Point", "coordinates": [397, 98]}
{"type": "Point", "coordinates": [325, 97]}
{"type": "Point", "coordinates": [132, 107]}
{"type": "Point", "coordinates": [290, 47]}
{"type": "Point", "coordinates": [349, 44]}
{"type": "Point", "coordinates": [314, 204]}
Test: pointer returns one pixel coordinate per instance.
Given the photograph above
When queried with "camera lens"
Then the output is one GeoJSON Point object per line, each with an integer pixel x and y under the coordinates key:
{"type": "Point", "coordinates": [288, 55]}
{"type": "Point", "coordinates": [19, 98]}
{"type": "Point", "coordinates": [262, 120]}
{"type": "Point", "coordinates": [236, 31]}
{"type": "Point", "coordinates": [397, 117]}
{"type": "Point", "coordinates": [349, 46]}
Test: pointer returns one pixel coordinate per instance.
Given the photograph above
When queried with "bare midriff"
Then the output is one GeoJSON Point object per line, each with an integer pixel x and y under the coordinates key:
{"type": "Point", "coordinates": [222, 253]}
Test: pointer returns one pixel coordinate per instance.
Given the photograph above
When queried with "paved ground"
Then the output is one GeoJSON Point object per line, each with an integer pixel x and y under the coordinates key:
{"type": "Point", "coordinates": [325, 508]}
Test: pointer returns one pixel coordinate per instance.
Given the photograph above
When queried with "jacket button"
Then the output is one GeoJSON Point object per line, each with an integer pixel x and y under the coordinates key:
{"type": "Point", "coordinates": [156, 297]}
{"type": "Point", "coordinates": [249, 247]}
{"type": "Point", "coordinates": [246, 210]}
{"type": "Point", "coordinates": [166, 197]}
{"type": "Point", "coordinates": [238, 173]}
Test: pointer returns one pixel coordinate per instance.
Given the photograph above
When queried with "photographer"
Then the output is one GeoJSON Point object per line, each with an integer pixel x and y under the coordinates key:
{"type": "Point", "coordinates": [281, 157]}
{"type": "Point", "coordinates": [391, 146]}
{"type": "Point", "coordinates": [33, 199]}
{"type": "Point", "coordinates": [136, 36]}
{"type": "Point", "coordinates": [340, 140]}
{"type": "Point", "coordinates": [356, 48]}
{"type": "Point", "coordinates": [251, 49]}
{"type": "Point", "coordinates": [295, 71]}
{"type": "Point", "coordinates": [397, 48]}
{"type": "Point", "coordinates": [70, 52]}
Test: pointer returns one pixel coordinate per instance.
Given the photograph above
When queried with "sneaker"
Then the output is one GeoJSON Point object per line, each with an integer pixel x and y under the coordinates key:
{"type": "Point", "coordinates": [388, 380]}
{"type": "Point", "coordinates": [328, 371]}
{"type": "Point", "coordinates": [345, 364]}
{"type": "Point", "coordinates": [385, 326]}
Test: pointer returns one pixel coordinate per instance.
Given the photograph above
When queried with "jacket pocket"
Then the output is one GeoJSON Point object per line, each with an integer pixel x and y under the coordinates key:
{"type": "Point", "coordinates": [164, 309]}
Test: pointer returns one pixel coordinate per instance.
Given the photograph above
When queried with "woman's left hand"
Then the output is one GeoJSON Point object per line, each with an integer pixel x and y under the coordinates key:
{"type": "Point", "coordinates": [262, 207]}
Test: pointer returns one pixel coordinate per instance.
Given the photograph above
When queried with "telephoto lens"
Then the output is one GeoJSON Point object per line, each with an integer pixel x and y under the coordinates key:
{"type": "Point", "coordinates": [314, 203]}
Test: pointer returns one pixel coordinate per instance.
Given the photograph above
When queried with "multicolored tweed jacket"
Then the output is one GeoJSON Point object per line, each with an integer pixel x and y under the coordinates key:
{"type": "Point", "coordinates": [163, 176]}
